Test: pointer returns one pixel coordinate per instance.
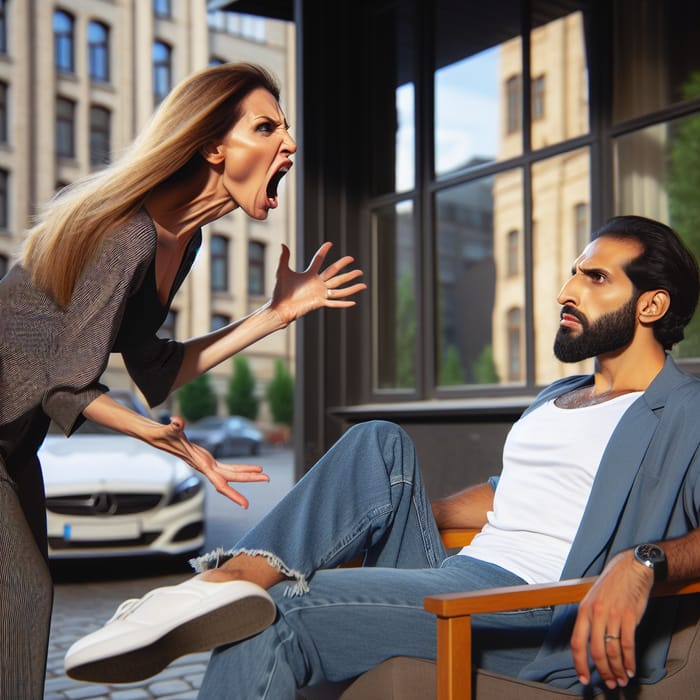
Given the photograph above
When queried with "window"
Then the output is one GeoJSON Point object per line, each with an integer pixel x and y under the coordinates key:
{"type": "Point", "coordinates": [513, 253]}
{"type": "Point", "coordinates": [4, 199]}
{"type": "Point", "coordinates": [169, 327]}
{"type": "Point", "coordinates": [99, 135]}
{"type": "Point", "coordinates": [98, 51]}
{"type": "Point", "coordinates": [3, 26]}
{"type": "Point", "coordinates": [219, 321]}
{"type": "Point", "coordinates": [538, 98]}
{"type": "Point", "coordinates": [162, 8]}
{"type": "Point", "coordinates": [64, 48]}
{"type": "Point", "coordinates": [514, 332]}
{"type": "Point", "coordinates": [3, 112]}
{"type": "Point", "coordinates": [463, 284]}
{"type": "Point", "coordinates": [162, 71]}
{"type": "Point", "coordinates": [256, 268]}
{"type": "Point", "coordinates": [514, 104]}
{"type": "Point", "coordinates": [65, 128]}
{"type": "Point", "coordinates": [219, 263]}
{"type": "Point", "coordinates": [248, 27]}
{"type": "Point", "coordinates": [4, 265]}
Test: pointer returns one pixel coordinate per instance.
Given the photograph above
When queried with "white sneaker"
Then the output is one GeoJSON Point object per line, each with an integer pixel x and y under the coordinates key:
{"type": "Point", "coordinates": [146, 634]}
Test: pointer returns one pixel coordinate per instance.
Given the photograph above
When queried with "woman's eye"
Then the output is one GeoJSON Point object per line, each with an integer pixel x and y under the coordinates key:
{"type": "Point", "coordinates": [266, 127]}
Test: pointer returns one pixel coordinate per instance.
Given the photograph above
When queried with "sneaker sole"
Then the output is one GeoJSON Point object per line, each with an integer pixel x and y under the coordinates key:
{"type": "Point", "coordinates": [241, 619]}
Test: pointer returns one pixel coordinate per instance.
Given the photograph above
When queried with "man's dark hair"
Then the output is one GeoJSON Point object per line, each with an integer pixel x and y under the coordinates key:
{"type": "Point", "coordinates": [667, 264]}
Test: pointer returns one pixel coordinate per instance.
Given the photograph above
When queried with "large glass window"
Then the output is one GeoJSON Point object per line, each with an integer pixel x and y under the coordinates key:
{"type": "Point", "coordinates": [392, 128]}
{"type": "Point", "coordinates": [64, 42]}
{"type": "Point", "coordinates": [471, 240]}
{"type": "Point", "coordinates": [478, 85]}
{"type": "Point", "coordinates": [394, 298]}
{"type": "Point", "coordinates": [657, 175]}
{"type": "Point", "coordinates": [465, 269]}
{"type": "Point", "coordinates": [560, 186]}
{"type": "Point", "coordinates": [98, 51]}
{"type": "Point", "coordinates": [656, 61]}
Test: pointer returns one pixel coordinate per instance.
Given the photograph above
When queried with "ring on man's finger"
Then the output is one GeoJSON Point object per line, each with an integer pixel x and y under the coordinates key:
{"type": "Point", "coordinates": [610, 637]}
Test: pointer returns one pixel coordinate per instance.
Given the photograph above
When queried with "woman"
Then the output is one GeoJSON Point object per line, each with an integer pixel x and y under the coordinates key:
{"type": "Point", "coordinates": [98, 273]}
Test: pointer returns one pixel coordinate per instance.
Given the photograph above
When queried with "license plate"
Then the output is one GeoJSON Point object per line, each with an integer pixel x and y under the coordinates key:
{"type": "Point", "coordinates": [82, 532]}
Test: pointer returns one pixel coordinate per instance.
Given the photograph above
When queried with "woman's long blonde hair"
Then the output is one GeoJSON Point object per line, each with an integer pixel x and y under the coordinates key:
{"type": "Point", "coordinates": [72, 225]}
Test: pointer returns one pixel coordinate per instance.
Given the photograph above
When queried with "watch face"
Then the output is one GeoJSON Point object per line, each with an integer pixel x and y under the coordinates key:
{"type": "Point", "coordinates": [650, 552]}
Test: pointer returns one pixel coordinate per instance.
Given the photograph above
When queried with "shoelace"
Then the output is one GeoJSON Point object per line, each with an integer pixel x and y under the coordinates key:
{"type": "Point", "coordinates": [124, 609]}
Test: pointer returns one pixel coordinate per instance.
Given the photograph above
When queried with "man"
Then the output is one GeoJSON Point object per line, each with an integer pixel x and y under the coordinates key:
{"type": "Point", "coordinates": [600, 476]}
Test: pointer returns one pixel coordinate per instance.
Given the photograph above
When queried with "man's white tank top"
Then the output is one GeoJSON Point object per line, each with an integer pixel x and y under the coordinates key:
{"type": "Point", "coordinates": [550, 459]}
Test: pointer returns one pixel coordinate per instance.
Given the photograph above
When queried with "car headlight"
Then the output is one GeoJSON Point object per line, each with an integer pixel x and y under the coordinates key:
{"type": "Point", "coordinates": [185, 490]}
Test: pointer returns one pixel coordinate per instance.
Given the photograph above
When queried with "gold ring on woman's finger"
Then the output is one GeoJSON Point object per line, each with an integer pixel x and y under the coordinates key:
{"type": "Point", "coordinates": [610, 637]}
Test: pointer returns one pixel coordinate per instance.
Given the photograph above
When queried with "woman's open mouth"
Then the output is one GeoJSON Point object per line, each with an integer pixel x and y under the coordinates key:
{"type": "Point", "coordinates": [271, 190]}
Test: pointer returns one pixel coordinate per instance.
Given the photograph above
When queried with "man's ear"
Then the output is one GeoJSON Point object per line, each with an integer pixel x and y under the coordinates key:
{"type": "Point", "coordinates": [653, 304]}
{"type": "Point", "coordinates": [213, 152]}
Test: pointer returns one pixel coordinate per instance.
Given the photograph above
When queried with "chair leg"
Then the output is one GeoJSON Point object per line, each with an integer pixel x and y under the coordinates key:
{"type": "Point", "coordinates": [454, 648]}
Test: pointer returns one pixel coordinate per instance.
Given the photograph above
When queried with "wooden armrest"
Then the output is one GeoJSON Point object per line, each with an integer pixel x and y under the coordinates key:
{"type": "Point", "coordinates": [457, 537]}
{"type": "Point", "coordinates": [454, 612]}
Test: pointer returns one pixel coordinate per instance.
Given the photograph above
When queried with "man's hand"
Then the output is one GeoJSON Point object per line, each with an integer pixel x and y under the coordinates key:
{"type": "Point", "coordinates": [607, 620]}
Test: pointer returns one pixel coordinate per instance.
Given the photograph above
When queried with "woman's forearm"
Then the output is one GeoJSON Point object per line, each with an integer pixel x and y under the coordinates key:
{"type": "Point", "coordinates": [207, 351]}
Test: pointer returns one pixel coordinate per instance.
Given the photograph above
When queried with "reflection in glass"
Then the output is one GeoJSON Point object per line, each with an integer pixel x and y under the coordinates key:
{"type": "Point", "coordinates": [657, 175]}
{"type": "Point", "coordinates": [561, 198]}
{"type": "Point", "coordinates": [392, 127]}
{"type": "Point", "coordinates": [559, 82]}
{"type": "Point", "coordinates": [478, 84]}
{"type": "Point", "coordinates": [466, 281]}
{"type": "Point", "coordinates": [394, 297]}
{"type": "Point", "coordinates": [467, 111]}
{"type": "Point", "coordinates": [656, 58]}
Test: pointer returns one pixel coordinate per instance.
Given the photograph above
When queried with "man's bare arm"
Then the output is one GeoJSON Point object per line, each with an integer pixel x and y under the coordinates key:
{"type": "Point", "coordinates": [464, 509]}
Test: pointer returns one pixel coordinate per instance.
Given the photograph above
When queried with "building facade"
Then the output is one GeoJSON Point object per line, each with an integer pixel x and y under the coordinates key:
{"type": "Point", "coordinates": [79, 79]}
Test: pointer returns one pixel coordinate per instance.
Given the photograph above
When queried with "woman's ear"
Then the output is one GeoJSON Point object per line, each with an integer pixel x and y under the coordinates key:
{"type": "Point", "coordinates": [213, 152]}
{"type": "Point", "coordinates": [653, 304]}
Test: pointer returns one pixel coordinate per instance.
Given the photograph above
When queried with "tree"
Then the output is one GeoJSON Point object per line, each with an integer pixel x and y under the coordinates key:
{"type": "Point", "coordinates": [241, 399]}
{"type": "Point", "coordinates": [197, 399]}
{"type": "Point", "coordinates": [484, 367]}
{"type": "Point", "coordinates": [450, 373]}
{"type": "Point", "coordinates": [280, 395]}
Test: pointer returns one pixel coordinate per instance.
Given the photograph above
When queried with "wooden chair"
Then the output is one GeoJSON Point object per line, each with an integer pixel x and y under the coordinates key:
{"type": "Point", "coordinates": [451, 677]}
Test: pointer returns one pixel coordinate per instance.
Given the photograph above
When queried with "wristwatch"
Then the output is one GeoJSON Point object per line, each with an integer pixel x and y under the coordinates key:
{"type": "Point", "coordinates": [652, 556]}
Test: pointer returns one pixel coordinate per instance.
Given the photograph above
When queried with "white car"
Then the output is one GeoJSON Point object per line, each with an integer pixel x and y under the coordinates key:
{"type": "Point", "coordinates": [111, 495]}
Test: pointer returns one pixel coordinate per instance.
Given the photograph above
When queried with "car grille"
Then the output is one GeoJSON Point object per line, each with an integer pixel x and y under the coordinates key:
{"type": "Point", "coordinates": [103, 503]}
{"type": "Point", "coordinates": [58, 543]}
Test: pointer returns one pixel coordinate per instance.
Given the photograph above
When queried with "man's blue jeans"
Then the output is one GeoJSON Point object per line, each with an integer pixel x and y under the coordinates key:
{"type": "Point", "coordinates": [365, 495]}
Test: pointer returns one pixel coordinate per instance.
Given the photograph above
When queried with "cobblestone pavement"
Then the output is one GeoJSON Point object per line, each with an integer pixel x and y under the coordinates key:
{"type": "Point", "coordinates": [87, 594]}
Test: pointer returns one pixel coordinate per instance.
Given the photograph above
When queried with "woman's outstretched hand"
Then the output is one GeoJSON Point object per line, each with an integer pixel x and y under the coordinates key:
{"type": "Point", "coordinates": [174, 440]}
{"type": "Point", "coordinates": [297, 293]}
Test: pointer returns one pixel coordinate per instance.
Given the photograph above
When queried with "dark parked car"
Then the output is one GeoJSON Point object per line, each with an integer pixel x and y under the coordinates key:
{"type": "Point", "coordinates": [226, 436]}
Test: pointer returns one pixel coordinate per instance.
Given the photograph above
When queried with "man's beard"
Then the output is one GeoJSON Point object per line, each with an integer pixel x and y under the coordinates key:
{"type": "Point", "coordinates": [609, 333]}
